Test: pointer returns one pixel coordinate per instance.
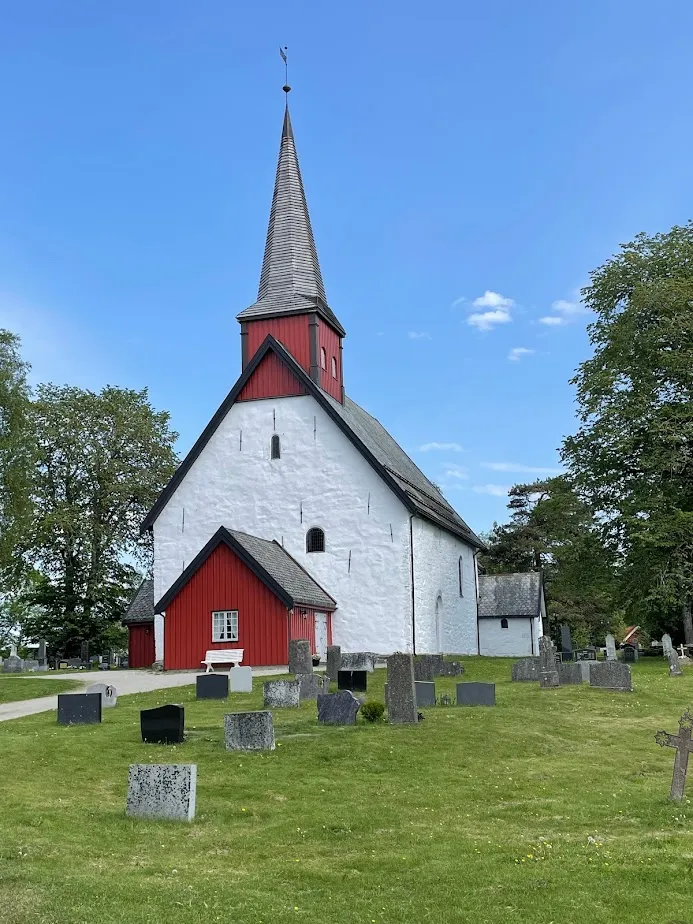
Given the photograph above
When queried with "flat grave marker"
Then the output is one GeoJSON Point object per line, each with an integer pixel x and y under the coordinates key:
{"type": "Point", "coordinates": [474, 693]}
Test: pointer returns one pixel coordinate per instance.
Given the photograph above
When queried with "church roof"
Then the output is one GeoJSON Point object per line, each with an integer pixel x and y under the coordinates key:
{"type": "Point", "coordinates": [141, 607]}
{"type": "Point", "coordinates": [290, 281]}
{"type": "Point", "coordinates": [372, 440]}
{"type": "Point", "coordinates": [510, 594]}
{"type": "Point", "coordinates": [269, 561]}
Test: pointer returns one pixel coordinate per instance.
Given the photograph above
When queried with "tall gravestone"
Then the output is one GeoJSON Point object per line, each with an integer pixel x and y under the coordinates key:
{"type": "Point", "coordinates": [610, 648]}
{"type": "Point", "coordinates": [667, 644]}
{"type": "Point", "coordinates": [334, 661]}
{"type": "Point", "coordinates": [401, 693]}
{"type": "Point", "coordinates": [42, 652]}
{"type": "Point", "coordinates": [424, 669]}
{"type": "Point", "coordinates": [674, 664]}
{"type": "Point", "coordinates": [566, 644]}
{"type": "Point", "coordinates": [84, 652]}
{"type": "Point", "coordinates": [300, 658]}
{"type": "Point", "coordinates": [548, 670]}
{"type": "Point", "coordinates": [684, 747]}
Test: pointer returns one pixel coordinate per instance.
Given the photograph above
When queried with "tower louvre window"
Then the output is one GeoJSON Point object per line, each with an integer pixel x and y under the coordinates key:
{"type": "Point", "coordinates": [323, 358]}
{"type": "Point", "coordinates": [504, 623]}
{"type": "Point", "coordinates": [315, 540]}
{"type": "Point", "coordinates": [460, 575]}
{"type": "Point", "coordinates": [275, 448]}
{"type": "Point", "coordinates": [334, 368]}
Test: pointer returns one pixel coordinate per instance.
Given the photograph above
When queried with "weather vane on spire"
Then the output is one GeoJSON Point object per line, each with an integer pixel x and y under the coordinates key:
{"type": "Point", "coordinates": [282, 51]}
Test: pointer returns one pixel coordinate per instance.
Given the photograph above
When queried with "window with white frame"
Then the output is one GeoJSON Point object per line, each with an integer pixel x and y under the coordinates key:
{"type": "Point", "coordinates": [225, 626]}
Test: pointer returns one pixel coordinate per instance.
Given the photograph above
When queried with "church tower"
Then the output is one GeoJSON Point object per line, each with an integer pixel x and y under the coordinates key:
{"type": "Point", "coordinates": [291, 304]}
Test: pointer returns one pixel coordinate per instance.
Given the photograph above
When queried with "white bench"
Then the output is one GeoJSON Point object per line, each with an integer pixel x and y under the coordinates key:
{"type": "Point", "coordinates": [222, 656]}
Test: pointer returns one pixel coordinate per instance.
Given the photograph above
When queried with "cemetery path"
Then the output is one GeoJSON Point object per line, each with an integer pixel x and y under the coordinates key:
{"type": "Point", "coordinates": [125, 682]}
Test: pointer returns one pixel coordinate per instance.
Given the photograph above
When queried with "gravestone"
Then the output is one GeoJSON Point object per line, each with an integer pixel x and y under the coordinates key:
{"type": "Point", "coordinates": [241, 679]}
{"type": "Point", "coordinates": [611, 675]}
{"type": "Point", "coordinates": [566, 644]}
{"type": "Point", "coordinates": [610, 648]}
{"type": "Point", "coordinates": [249, 731]}
{"type": "Point", "coordinates": [630, 653]}
{"type": "Point", "coordinates": [451, 669]}
{"type": "Point", "coordinates": [107, 692]}
{"type": "Point", "coordinates": [338, 708]}
{"type": "Point", "coordinates": [31, 664]}
{"type": "Point", "coordinates": [334, 661]}
{"type": "Point", "coordinates": [571, 672]}
{"type": "Point", "coordinates": [300, 659]}
{"type": "Point", "coordinates": [667, 644]}
{"type": "Point", "coordinates": [280, 694]}
{"type": "Point", "coordinates": [526, 669]}
{"type": "Point", "coordinates": [473, 693]}
{"type": "Point", "coordinates": [585, 668]}
{"type": "Point", "coordinates": [13, 665]}
{"type": "Point", "coordinates": [358, 661]}
{"type": "Point", "coordinates": [425, 693]}
{"type": "Point", "coordinates": [548, 671]}
{"type": "Point", "coordinates": [41, 652]}
{"type": "Point", "coordinates": [163, 791]}
{"type": "Point", "coordinates": [84, 652]}
{"type": "Point", "coordinates": [212, 686]}
{"type": "Point", "coordinates": [163, 725]}
{"type": "Point", "coordinates": [401, 706]}
{"type": "Point", "coordinates": [13, 650]}
{"type": "Point", "coordinates": [79, 708]}
{"type": "Point", "coordinates": [357, 681]}
{"type": "Point", "coordinates": [674, 665]}
{"type": "Point", "coordinates": [683, 744]}
{"type": "Point", "coordinates": [424, 668]}
{"type": "Point", "coordinates": [312, 685]}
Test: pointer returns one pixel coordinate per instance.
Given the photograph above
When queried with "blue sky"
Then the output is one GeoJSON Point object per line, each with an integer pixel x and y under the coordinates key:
{"type": "Point", "coordinates": [466, 166]}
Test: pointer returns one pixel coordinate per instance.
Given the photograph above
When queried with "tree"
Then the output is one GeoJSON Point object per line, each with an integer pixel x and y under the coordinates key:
{"type": "Point", "coordinates": [632, 457]}
{"type": "Point", "coordinates": [102, 459]}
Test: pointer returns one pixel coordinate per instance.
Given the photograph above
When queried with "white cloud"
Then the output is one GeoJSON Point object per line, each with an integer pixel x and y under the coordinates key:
{"type": "Point", "coordinates": [516, 354]}
{"type": "Point", "coordinates": [452, 470]}
{"type": "Point", "coordinates": [458, 301]}
{"type": "Point", "coordinates": [565, 311]}
{"type": "Point", "coordinates": [488, 319]}
{"type": "Point", "coordinates": [552, 320]}
{"type": "Point", "coordinates": [517, 468]}
{"type": "Point", "coordinates": [567, 308]}
{"type": "Point", "coordinates": [440, 447]}
{"type": "Point", "coordinates": [492, 300]}
{"type": "Point", "coordinates": [419, 335]}
{"type": "Point", "coordinates": [495, 490]}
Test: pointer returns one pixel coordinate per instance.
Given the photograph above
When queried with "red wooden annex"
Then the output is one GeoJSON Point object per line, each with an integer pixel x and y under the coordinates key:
{"type": "Point", "coordinates": [139, 620]}
{"type": "Point", "coordinates": [249, 591]}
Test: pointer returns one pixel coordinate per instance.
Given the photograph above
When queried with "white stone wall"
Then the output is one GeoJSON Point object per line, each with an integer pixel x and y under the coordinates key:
{"type": "Point", "coordinates": [519, 640]}
{"type": "Point", "coordinates": [436, 557]}
{"type": "Point", "coordinates": [321, 480]}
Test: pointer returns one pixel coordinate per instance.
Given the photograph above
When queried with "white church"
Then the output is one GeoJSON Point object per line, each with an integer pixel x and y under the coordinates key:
{"type": "Point", "coordinates": [296, 514]}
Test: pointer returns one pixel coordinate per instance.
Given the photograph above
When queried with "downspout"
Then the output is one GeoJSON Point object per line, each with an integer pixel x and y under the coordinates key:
{"type": "Point", "coordinates": [413, 598]}
{"type": "Point", "coordinates": [476, 599]}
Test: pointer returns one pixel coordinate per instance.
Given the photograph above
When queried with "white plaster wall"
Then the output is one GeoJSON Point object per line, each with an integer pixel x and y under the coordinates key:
{"type": "Point", "coordinates": [234, 483]}
{"type": "Point", "coordinates": [436, 557]}
{"type": "Point", "coordinates": [515, 641]}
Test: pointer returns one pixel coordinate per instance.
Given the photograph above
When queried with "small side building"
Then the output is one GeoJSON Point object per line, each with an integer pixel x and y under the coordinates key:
{"type": "Point", "coordinates": [139, 620]}
{"type": "Point", "coordinates": [511, 614]}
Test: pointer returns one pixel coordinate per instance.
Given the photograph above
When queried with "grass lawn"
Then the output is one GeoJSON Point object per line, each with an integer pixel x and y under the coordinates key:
{"type": "Point", "coordinates": [552, 807]}
{"type": "Point", "coordinates": [14, 687]}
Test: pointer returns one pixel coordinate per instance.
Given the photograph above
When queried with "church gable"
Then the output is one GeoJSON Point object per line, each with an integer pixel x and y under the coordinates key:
{"type": "Point", "coordinates": [271, 379]}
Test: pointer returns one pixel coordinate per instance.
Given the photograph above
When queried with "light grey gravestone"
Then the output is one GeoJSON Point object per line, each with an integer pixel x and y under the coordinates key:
{"type": "Point", "coordinates": [358, 661]}
{"type": "Point", "coordinates": [31, 664]}
{"type": "Point", "coordinates": [109, 695]}
{"type": "Point", "coordinates": [425, 693]}
{"type": "Point", "coordinates": [164, 791]}
{"type": "Point", "coordinates": [249, 731]}
{"type": "Point", "coordinates": [667, 644]}
{"type": "Point", "coordinates": [300, 658]}
{"type": "Point", "coordinates": [525, 669]}
{"type": "Point", "coordinates": [338, 708]}
{"type": "Point", "coordinates": [312, 685]}
{"type": "Point", "coordinates": [548, 672]}
{"type": "Point", "coordinates": [334, 661]}
{"type": "Point", "coordinates": [684, 745]}
{"type": "Point", "coordinates": [674, 665]}
{"type": "Point", "coordinates": [424, 669]}
{"type": "Point", "coordinates": [611, 675]}
{"type": "Point", "coordinates": [473, 693]}
{"type": "Point", "coordinates": [241, 680]}
{"type": "Point", "coordinates": [585, 667]}
{"type": "Point", "coordinates": [570, 672]}
{"type": "Point", "coordinates": [401, 694]}
{"type": "Point", "coordinates": [610, 648]}
{"type": "Point", "coordinates": [13, 665]}
{"type": "Point", "coordinates": [280, 694]}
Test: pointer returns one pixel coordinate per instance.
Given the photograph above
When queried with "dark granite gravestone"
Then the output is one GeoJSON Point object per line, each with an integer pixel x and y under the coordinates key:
{"type": "Point", "coordinates": [79, 708]}
{"type": "Point", "coordinates": [425, 693]}
{"type": "Point", "coordinates": [84, 652]}
{"type": "Point", "coordinates": [674, 663]}
{"type": "Point", "coordinates": [41, 652]}
{"type": "Point", "coordinates": [525, 669]}
{"type": "Point", "coordinates": [249, 731]}
{"type": "Point", "coordinates": [338, 708]}
{"type": "Point", "coordinates": [300, 660]}
{"type": "Point", "coordinates": [473, 693]}
{"type": "Point", "coordinates": [684, 746]}
{"type": "Point", "coordinates": [424, 668]}
{"type": "Point", "coordinates": [163, 725]}
{"type": "Point", "coordinates": [401, 705]}
{"type": "Point", "coordinates": [212, 686]}
{"type": "Point", "coordinates": [569, 673]}
{"type": "Point", "coordinates": [312, 685]}
{"type": "Point", "coordinates": [586, 654]}
{"type": "Point", "coordinates": [630, 653]}
{"type": "Point", "coordinates": [611, 675]}
{"type": "Point", "coordinates": [566, 644]}
{"type": "Point", "coordinates": [357, 681]}
{"type": "Point", "coordinates": [334, 661]}
{"type": "Point", "coordinates": [548, 672]}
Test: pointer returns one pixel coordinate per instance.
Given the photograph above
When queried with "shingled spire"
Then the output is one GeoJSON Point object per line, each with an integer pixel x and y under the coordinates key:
{"type": "Point", "coordinates": [290, 281]}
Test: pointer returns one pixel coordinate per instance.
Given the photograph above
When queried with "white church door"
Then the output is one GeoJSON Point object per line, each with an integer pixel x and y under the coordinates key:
{"type": "Point", "coordinates": [321, 635]}
{"type": "Point", "coordinates": [439, 625]}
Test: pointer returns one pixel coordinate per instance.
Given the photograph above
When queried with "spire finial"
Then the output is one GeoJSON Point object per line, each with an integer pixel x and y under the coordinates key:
{"type": "Point", "coordinates": [286, 88]}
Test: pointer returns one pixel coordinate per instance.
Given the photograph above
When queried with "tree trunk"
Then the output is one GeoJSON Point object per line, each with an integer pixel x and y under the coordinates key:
{"type": "Point", "coordinates": [687, 623]}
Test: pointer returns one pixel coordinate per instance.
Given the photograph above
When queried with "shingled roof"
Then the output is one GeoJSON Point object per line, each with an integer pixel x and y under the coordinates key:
{"type": "Point", "coordinates": [269, 561]}
{"type": "Point", "coordinates": [510, 594]}
{"type": "Point", "coordinates": [141, 608]}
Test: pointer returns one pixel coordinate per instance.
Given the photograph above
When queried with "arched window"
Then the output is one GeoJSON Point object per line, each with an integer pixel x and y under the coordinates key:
{"type": "Point", "coordinates": [323, 358]}
{"type": "Point", "coordinates": [275, 448]}
{"type": "Point", "coordinates": [504, 623]}
{"type": "Point", "coordinates": [315, 540]}
{"type": "Point", "coordinates": [460, 575]}
{"type": "Point", "coordinates": [334, 368]}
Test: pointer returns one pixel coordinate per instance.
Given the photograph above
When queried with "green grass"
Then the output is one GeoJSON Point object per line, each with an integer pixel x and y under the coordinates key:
{"type": "Point", "coordinates": [552, 807]}
{"type": "Point", "coordinates": [14, 687]}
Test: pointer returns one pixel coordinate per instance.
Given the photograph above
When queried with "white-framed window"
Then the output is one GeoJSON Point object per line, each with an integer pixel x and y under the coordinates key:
{"type": "Point", "coordinates": [225, 626]}
{"type": "Point", "coordinates": [323, 358]}
{"type": "Point", "coordinates": [334, 367]}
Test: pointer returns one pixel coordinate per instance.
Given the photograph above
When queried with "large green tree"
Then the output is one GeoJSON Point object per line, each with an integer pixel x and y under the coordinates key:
{"type": "Point", "coordinates": [102, 459]}
{"type": "Point", "coordinates": [632, 457]}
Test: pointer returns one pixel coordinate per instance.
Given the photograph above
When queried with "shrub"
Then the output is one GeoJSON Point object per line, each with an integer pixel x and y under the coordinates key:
{"type": "Point", "coordinates": [372, 711]}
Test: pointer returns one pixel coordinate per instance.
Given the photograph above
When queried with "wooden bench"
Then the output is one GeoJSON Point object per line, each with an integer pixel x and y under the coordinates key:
{"type": "Point", "coordinates": [222, 656]}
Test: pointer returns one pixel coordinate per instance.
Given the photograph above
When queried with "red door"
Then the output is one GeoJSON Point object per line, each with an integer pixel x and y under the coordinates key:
{"type": "Point", "coordinates": [141, 647]}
